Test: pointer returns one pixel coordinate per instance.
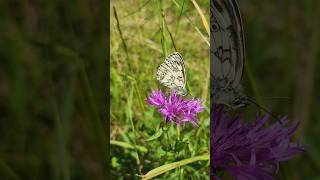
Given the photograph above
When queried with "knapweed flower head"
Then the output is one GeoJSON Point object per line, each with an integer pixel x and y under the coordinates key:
{"type": "Point", "coordinates": [249, 151]}
{"type": "Point", "coordinates": [176, 109]}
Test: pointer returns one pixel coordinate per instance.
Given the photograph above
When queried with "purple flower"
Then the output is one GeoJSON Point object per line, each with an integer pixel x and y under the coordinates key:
{"type": "Point", "coordinates": [176, 109]}
{"type": "Point", "coordinates": [249, 150]}
{"type": "Point", "coordinates": [156, 98]}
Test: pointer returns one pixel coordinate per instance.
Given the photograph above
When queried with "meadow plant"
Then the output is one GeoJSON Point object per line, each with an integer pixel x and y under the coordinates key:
{"type": "Point", "coordinates": [249, 150]}
{"type": "Point", "coordinates": [174, 108]}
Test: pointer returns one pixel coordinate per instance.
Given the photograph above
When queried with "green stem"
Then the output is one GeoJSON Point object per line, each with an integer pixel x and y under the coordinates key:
{"type": "Point", "coordinates": [162, 27]}
{"type": "Point", "coordinates": [133, 129]}
{"type": "Point", "coordinates": [168, 142]}
{"type": "Point", "coordinates": [178, 133]}
{"type": "Point", "coordinates": [253, 83]}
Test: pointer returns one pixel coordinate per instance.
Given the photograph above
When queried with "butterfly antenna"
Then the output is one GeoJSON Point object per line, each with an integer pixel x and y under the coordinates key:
{"type": "Point", "coordinates": [274, 98]}
{"type": "Point", "coordinates": [265, 110]}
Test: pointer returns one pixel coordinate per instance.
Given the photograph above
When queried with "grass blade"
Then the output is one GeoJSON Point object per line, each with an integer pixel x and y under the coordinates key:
{"type": "Point", "coordinates": [203, 19]}
{"type": "Point", "coordinates": [195, 27]}
{"type": "Point", "coordinates": [202, 36]}
{"type": "Point", "coordinates": [128, 146]}
{"type": "Point", "coordinates": [167, 167]}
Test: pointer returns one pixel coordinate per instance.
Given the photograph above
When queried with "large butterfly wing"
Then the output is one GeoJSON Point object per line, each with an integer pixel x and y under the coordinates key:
{"type": "Point", "coordinates": [227, 43]}
{"type": "Point", "coordinates": [172, 73]}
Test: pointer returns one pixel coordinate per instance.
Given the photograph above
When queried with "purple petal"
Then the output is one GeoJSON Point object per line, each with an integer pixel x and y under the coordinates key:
{"type": "Point", "coordinates": [157, 98]}
{"type": "Point", "coordinates": [247, 172]}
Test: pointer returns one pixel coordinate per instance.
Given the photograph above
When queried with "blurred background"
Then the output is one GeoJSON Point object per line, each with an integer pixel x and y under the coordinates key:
{"type": "Point", "coordinates": [52, 89]}
{"type": "Point", "coordinates": [282, 58]}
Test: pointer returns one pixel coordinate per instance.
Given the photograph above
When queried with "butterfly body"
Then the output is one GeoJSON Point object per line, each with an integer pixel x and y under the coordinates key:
{"type": "Point", "coordinates": [171, 73]}
{"type": "Point", "coordinates": [231, 97]}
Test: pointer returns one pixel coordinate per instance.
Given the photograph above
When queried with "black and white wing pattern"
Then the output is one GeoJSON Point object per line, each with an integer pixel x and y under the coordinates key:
{"type": "Point", "coordinates": [171, 73]}
{"type": "Point", "coordinates": [227, 43]}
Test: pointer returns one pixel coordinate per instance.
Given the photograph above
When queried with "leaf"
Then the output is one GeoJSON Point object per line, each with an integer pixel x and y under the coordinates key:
{"type": "Point", "coordinates": [180, 145]}
{"type": "Point", "coordinates": [167, 167]}
{"type": "Point", "coordinates": [114, 162]}
{"type": "Point", "coordinates": [128, 146]}
{"type": "Point", "coordinates": [156, 135]}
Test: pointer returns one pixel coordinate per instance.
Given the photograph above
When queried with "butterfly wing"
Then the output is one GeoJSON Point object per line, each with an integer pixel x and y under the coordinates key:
{"type": "Point", "coordinates": [227, 43]}
{"type": "Point", "coordinates": [171, 73]}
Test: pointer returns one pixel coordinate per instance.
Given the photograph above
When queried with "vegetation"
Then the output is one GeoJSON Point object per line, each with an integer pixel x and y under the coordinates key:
{"type": "Point", "coordinates": [142, 35]}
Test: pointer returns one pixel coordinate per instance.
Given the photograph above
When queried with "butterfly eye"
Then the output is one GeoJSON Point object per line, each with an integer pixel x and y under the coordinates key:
{"type": "Point", "coordinates": [215, 27]}
{"type": "Point", "coordinates": [237, 102]}
{"type": "Point", "coordinates": [240, 102]}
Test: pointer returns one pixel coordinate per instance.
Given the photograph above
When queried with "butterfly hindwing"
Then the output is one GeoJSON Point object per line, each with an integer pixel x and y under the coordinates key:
{"type": "Point", "coordinates": [171, 73]}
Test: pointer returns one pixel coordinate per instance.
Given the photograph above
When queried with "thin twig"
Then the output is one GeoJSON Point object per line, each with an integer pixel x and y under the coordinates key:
{"type": "Point", "coordinates": [122, 38]}
{"type": "Point", "coordinates": [137, 10]}
{"type": "Point", "coordinates": [179, 18]}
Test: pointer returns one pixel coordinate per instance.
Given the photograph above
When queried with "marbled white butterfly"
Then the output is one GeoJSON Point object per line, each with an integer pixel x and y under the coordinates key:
{"type": "Point", "coordinates": [171, 73]}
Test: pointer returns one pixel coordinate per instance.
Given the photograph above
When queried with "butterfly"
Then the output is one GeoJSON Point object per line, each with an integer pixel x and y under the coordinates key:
{"type": "Point", "coordinates": [226, 54]}
{"type": "Point", "coordinates": [172, 74]}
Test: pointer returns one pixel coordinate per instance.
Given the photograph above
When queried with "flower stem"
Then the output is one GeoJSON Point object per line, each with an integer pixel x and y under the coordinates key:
{"type": "Point", "coordinates": [178, 133]}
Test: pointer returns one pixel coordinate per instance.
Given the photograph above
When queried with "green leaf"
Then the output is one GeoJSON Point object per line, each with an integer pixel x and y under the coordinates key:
{"type": "Point", "coordinates": [114, 162]}
{"type": "Point", "coordinates": [167, 167]}
{"type": "Point", "coordinates": [156, 135]}
{"type": "Point", "coordinates": [128, 146]}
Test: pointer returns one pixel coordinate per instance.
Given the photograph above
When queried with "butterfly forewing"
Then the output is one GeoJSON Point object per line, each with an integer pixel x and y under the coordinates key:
{"type": "Point", "coordinates": [227, 52]}
{"type": "Point", "coordinates": [171, 73]}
